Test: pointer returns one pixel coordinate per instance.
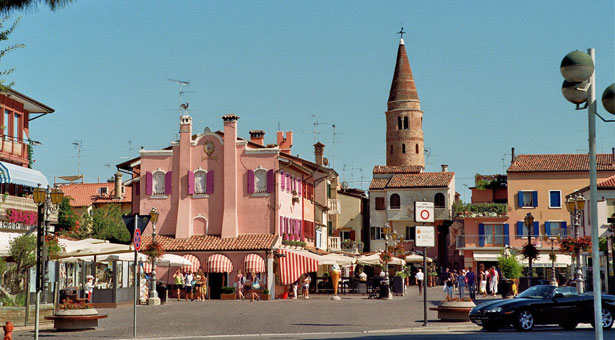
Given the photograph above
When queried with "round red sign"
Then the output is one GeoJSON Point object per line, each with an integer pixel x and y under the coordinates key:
{"type": "Point", "coordinates": [424, 214]}
{"type": "Point", "coordinates": [136, 240]}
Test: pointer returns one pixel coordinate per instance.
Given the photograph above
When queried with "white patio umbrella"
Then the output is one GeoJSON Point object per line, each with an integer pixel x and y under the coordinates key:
{"type": "Point", "coordinates": [413, 258]}
{"type": "Point", "coordinates": [374, 259]}
{"type": "Point", "coordinates": [91, 246]}
{"type": "Point", "coordinates": [172, 260]}
{"type": "Point", "coordinates": [336, 258]}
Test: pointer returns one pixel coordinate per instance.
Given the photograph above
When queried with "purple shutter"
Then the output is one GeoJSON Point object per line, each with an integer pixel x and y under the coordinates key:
{"type": "Point", "coordinates": [250, 182]}
{"type": "Point", "coordinates": [288, 182]}
{"type": "Point", "coordinates": [210, 182]}
{"type": "Point", "coordinates": [190, 183]}
{"type": "Point", "coordinates": [168, 181]}
{"type": "Point", "coordinates": [282, 182]}
{"type": "Point", "coordinates": [281, 225]}
{"type": "Point", "coordinates": [299, 183]}
{"type": "Point", "coordinates": [148, 183]}
{"type": "Point", "coordinates": [270, 181]}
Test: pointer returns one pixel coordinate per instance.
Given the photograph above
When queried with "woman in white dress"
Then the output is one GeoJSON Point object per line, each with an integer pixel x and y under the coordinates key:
{"type": "Point", "coordinates": [483, 283]}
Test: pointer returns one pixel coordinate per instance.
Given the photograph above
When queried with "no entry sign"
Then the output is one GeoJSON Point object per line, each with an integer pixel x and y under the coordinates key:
{"type": "Point", "coordinates": [136, 240]}
{"type": "Point", "coordinates": [423, 212]}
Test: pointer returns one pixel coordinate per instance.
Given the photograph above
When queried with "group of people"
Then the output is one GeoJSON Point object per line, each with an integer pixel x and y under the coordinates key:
{"type": "Point", "coordinates": [193, 283]}
{"type": "Point", "coordinates": [303, 281]}
{"type": "Point", "coordinates": [487, 281]}
{"type": "Point", "coordinates": [246, 286]}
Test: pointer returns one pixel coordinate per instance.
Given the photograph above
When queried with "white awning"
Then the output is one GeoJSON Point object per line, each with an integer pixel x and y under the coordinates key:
{"type": "Point", "coordinates": [15, 174]}
{"type": "Point", "coordinates": [543, 260]}
{"type": "Point", "coordinates": [486, 257]}
{"type": "Point", "coordinates": [374, 259]}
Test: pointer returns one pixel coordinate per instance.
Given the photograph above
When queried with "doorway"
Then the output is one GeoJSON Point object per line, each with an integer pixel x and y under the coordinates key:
{"type": "Point", "coordinates": [215, 282]}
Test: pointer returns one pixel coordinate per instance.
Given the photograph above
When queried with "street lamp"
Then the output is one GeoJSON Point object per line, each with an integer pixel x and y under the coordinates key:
{"type": "Point", "coordinates": [578, 69]}
{"type": "Point", "coordinates": [153, 299]}
{"type": "Point", "coordinates": [529, 223]}
{"type": "Point", "coordinates": [553, 278]}
{"type": "Point", "coordinates": [575, 205]}
{"type": "Point", "coordinates": [390, 237]}
{"type": "Point", "coordinates": [46, 200]}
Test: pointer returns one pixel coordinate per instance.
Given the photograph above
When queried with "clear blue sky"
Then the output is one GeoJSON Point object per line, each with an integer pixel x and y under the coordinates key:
{"type": "Point", "coordinates": [487, 74]}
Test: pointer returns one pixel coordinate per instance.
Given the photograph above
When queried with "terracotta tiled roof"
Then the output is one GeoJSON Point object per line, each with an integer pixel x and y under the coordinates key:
{"type": "Point", "coordinates": [85, 194]}
{"type": "Point", "coordinates": [422, 180]}
{"type": "Point", "coordinates": [214, 242]}
{"type": "Point", "coordinates": [397, 169]}
{"type": "Point", "coordinates": [608, 183]}
{"type": "Point", "coordinates": [560, 163]}
{"type": "Point", "coordinates": [379, 183]}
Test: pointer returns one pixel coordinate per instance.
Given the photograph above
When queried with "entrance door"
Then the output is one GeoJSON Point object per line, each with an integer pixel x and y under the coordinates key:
{"type": "Point", "coordinates": [215, 282]}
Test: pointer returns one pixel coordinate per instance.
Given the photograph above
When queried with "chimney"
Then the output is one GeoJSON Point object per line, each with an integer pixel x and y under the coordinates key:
{"type": "Point", "coordinates": [118, 185]}
{"type": "Point", "coordinates": [257, 137]}
{"type": "Point", "coordinates": [444, 167]}
{"type": "Point", "coordinates": [319, 150]}
{"type": "Point", "coordinates": [285, 143]}
{"type": "Point", "coordinates": [230, 226]}
{"type": "Point", "coordinates": [513, 156]}
{"type": "Point", "coordinates": [180, 165]}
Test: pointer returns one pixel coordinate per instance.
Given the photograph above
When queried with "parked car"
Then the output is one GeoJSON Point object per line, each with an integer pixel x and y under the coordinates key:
{"type": "Point", "coordinates": [543, 304]}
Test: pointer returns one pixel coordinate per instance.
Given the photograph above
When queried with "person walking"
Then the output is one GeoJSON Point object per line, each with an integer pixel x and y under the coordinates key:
{"type": "Point", "coordinates": [239, 282]}
{"type": "Point", "coordinates": [493, 280]}
{"type": "Point", "coordinates": [471, 280]}
{"type": "Point", "coordinates": [305, 285]}
{"type": "Point", "coordinates": [448, 286]}
{"type": "Point", "coordinates": [188, 283]}
{"type": "Point", "coordinates": [461, 283]}
{"type": "Point", "coordinates": [179, 282]}
{"type": "Point", "coordinates": [418, 279]}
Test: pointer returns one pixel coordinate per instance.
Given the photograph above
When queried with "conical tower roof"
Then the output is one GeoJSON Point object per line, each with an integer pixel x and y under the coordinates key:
{"type": "Point", "coordinates": [402, 87]}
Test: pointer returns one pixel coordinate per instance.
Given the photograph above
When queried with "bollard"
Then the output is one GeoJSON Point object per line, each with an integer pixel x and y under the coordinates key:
{"type": "Point", "coordinates": [8, 331]}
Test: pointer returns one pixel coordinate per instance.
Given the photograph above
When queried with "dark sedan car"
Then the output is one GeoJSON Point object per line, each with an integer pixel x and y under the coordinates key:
{"type": "Point", "coordinates": [543, 305]}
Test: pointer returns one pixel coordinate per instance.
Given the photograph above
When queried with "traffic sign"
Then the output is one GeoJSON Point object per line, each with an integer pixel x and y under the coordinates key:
{"type": "Point", "coordinates": [423, 212]}
{"type": "Point", "coordinates": [425, 236]}
{"type": "Point", "coordinates": [136, 240]}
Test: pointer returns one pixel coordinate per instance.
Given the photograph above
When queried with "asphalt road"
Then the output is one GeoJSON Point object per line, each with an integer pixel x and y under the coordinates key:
{"type": "Point", "coordinates": [318, 318]}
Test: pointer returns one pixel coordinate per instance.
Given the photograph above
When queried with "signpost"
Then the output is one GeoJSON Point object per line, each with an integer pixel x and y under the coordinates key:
{"type": "Point", "coordinates": [424, 237]}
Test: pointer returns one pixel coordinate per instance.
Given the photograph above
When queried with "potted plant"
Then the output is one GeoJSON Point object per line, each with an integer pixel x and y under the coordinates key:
{"type": "Point", "coordinates": [227, 293]}
{"type": "Point", "coordinates": [511, 270]}
{"type": "Point", "coordinates": [454, 309]}
{"type": "Point", "coordinates": [73, 315]}
{"type": "Point", "coordinates": [265, 295]}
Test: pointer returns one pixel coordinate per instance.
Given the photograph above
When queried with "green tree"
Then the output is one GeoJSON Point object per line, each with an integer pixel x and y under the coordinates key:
{"type": "Point", "coordinates": [108, 224]}
{"type": "Point", "coordinates": [4, 35]}
{"type": "Point", "coordinates": [7, 6]}
{"type": "Point", "coordinates": [67, 217]}
{"type": "Point", "coordinates": [510, 266]}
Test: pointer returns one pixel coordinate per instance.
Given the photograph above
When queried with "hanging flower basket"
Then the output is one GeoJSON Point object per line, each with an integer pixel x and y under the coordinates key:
{"type": "Point", "coordinates": [154, 250]}
{"type": "Point", "coordinates": [574, 247]}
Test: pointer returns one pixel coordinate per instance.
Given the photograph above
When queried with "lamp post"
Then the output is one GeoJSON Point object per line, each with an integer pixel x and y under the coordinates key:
{"type": "Point", "coordinates": [553, 278]}
{"type": "Point", "coordinates": [390, 237]}
{"type": "Point", "coordinates": [579, 87]}
{"type": "Point", "coordinates": [575, 205]}
{"type": "Point", "coordinates": [529, 223]}
{"type": "Point", "coordinates": [46, 200]}
{"type": "Point", "coordinates": [153, 299]}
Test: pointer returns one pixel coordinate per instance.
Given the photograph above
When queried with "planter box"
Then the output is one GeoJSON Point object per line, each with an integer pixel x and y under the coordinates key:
{"type": "Point", "coordinates": [227, 296]}
{"type": "Point", "coordinates": [75, 319]}
{"type": "Point", "coordinates": [454, 311]}
{"type": "Point", "coordinates": [264, 296]}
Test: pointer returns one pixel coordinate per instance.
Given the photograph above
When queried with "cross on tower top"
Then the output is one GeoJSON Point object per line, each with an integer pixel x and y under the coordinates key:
{"type": "Point", "coordinates": [401, 32]}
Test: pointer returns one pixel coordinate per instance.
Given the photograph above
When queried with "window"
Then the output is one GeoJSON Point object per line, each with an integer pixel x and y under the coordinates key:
{"type": "Point", "coordinates": [344, 235]}
{"type": "Point", "coordinates": [7, 115]}
{"type": "Point", "coordinates": [200, 182]}
{"type": "Point", "coordinates": [379, 203]}
{"type": "Point", "coordinates": [555, 228]}
{"type": "Point", "coordinates": [405, 123]}
{"type": "Point", "coordinates": [16, 118]}
{"type": "Point", "coordinates": [494, 234]}
{"type": "Point", "coordinates": [394, 201]}
{"type": "Point", "coordinates": [399, 124]}
{"type": "Point", "coordinates": [416, 148]}
{"type": "Point", "coordinates": [158, 179]}
{"type": "Point", "coordinates": [555, 199]}
{"type": "Point", "coordinates": [403, 148]}
{"type": "Point", "coordinates": [527, 199]}
{"type": "Point", "coordinates": [410, 233]}
{"type": "Point", "coordinates": [260, 179]}
{"type": "Point", "coordinates": [377, 233]}
{"type": "Point", "coordinates": [438, 200]}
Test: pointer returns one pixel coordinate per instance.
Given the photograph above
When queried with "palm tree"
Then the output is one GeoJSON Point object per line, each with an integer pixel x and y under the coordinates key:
{"type": "Point", "coordinates": [8, 6]}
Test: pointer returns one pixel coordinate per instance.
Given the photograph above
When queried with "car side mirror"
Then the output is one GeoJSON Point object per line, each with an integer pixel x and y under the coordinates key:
{"type": "Point", "coordinates": [558, 295]}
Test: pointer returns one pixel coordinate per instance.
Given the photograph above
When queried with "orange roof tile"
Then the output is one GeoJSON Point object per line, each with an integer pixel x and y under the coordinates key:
{"type": "Point", "coordinates": [560, 163]}
{"type": "Point", "coordinates": [85, 194]}
{"type": "Point", "coordinates": [397, 169]}
{"type": "Point", "coordinates": [608, 183]}
{"type": "Point", "coordinates": [379, 183]}
{"type": "Point", "coordinates": [422, 180]}
{"type": "Point", "coordinates": [214, 242]}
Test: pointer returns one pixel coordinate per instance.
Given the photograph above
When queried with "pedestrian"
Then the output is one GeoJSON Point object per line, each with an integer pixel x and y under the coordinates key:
{"type": "Point", "coordinates": [238, 284]}
{"type": "Point", "coordinates": [179, 283]}
{"type": "Point", "coordinates": [461, 283]}
{"type": "Point", "coordinates": [295, 288]}
{"type": "Point", "coordinates": [448, 286]}
{"type": "Point", "coordinates": [471, 279]}
{"type": "Point", "coordinates": [89, 287]}
{"type": "Point", "coordinates": [189, 284]}
{"type": "Point", "coordinates": [493, 280]}
{"type": "Point", "coordinates": [203, 286]}
{"type": "Point", "coordinates": [198, 277]}
{"type": "Point", "coordinates": [418, 278]}
{"type": "Point", "coordinates": [455, 274]}
{"type": "Point", "coordinates": [483, 283]}
{"type": "Point", "coordinates": [305, 285]}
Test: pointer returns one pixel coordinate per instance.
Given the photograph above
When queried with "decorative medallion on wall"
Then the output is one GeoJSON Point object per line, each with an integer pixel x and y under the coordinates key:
{"type": "Point", "coordinates": [209, 149]}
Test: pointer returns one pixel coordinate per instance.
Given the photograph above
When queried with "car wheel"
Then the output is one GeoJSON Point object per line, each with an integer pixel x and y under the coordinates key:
{"type": "Point", "coordinates": [607, 318]}
{"type": "Point", "coordinates": [568, 325]}
{"type": "Point", "coordinates": [491, 326]}
{"type": "Point", "coordinates": [524, 320]}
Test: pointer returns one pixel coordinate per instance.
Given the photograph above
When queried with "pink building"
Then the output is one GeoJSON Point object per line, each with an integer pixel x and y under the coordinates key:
{"type": "Point", "coordinates": [225, 202]}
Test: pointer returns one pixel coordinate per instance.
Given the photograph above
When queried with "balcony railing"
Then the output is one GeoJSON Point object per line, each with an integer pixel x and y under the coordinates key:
{"type": "Point", "coordinates": [335, 207]}
{"type": "Point", "coordinates": [487, 241]}
{"type": "Point", "coordinates": [20, 203]}
{"type": "Point", "coordinates": [333, 243]}
{"type": "Point", "coordinates": [13, 145]}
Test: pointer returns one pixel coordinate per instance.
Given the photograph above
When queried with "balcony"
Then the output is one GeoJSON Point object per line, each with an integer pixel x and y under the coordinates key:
{"type": "Point", "coordinates": [497, 241]}
{"type": "Point", "coordinates": [335, 207]}
{"type": "Point", "coordinates": [333, 243]}
{"type": "Point", "coordinates": [19, 203]}
{"type": "Point", "coordinates": [14, 146]}
{"type": "Point", "coordinates": [480, 209]}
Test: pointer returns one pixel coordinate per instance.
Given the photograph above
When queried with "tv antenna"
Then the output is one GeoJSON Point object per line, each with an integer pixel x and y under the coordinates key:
{"type": "Point", "coordinates": [183, 107]}
{"type": "Point", "coordinates": [316, 123]}
{"type": "Point", "coordinates": [334, 134]}
{"type": "Point", "coordinates": [78, 144]}
{"type": "Point", "coordinates": [129, 150]}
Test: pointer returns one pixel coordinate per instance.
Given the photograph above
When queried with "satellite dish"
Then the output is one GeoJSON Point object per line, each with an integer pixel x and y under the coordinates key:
{"type": "Point", "coordinates": [344, 185]}
{"type": "Point", "coordinates": [325, 162]}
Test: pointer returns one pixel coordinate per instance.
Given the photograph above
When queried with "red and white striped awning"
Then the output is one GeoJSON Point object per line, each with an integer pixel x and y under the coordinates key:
{"type": "Point", "coordinates": [294, 264]}
{"type": "Point", "coordinates": [147, 267]}
{"type": "Point", "coordinates": [218, 263]}
{"type": "Point", "coordinates": [196, 264]}
{"type": "Point", "coordinates": [253, 263]}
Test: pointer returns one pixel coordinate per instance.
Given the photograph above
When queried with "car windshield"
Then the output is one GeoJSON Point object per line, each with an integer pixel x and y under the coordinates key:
{"type": "Point", "coordinates": [536, 292]}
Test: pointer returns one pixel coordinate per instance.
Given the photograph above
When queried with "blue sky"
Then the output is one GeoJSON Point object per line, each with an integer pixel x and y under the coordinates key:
{"type": "Point", "coordinates": [487, 75]}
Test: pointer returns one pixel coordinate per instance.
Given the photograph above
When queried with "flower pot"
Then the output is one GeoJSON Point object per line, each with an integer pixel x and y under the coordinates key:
{"type": "Point", "coordinates": [227, 296]}
{"type": "Point", "coordinates": [76, 312]}
{"type": "Point", "coordinates": [506, 289]}
{"type": "Point", "coordinates": [454, 310]}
